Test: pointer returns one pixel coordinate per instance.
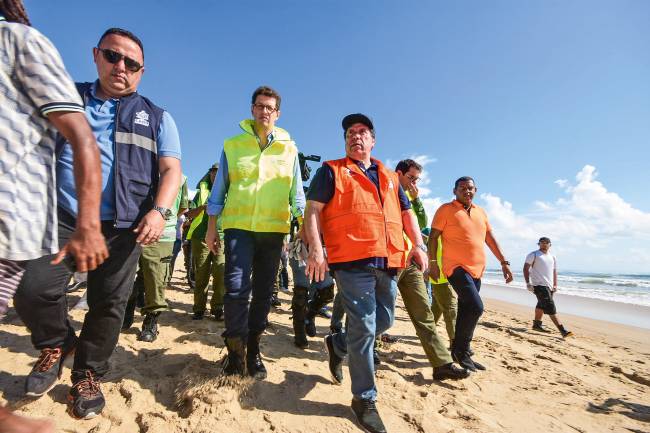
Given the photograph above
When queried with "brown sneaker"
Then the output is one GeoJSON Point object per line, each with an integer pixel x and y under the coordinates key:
{"type": "Point", "coordinates": [46, 371]}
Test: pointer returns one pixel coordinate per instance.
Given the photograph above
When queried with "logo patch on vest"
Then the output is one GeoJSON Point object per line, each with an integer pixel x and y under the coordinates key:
{"type": "Point", "coordinates": [390, 184]}
{"type": "Point", "coordinates": [142, 118]}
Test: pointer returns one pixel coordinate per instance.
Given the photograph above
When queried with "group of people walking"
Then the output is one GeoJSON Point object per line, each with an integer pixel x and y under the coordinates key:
{"type": "Point", "coordinates": [93, 174]}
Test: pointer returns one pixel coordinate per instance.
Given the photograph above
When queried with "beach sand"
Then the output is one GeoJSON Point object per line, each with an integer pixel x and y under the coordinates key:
{"type": "Point", "coordinates": [597, 381]}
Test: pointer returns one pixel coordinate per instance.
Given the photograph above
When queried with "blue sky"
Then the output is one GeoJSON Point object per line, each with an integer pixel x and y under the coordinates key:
{"type": "Point", "coordinates": [519, 95]}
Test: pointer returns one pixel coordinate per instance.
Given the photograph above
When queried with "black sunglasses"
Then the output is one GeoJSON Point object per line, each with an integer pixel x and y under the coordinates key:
{"type": "Point", "coordinates": [114, 57]}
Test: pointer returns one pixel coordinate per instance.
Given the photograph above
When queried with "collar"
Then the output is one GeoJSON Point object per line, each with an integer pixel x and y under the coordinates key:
{"type": "Point", "coordinates": [93, 93]}
{"type": "Point", "coordinates": [462, 206]}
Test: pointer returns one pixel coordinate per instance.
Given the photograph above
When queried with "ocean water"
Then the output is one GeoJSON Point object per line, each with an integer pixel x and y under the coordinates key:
{"type": "Point", "coordinates": [630, 289]}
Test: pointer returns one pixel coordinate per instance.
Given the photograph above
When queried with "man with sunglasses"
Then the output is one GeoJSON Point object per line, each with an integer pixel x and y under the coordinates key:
{"type": "Point", "coordinates": [259, 173]}
{"type": "Point", "coordinates": [140, 159]}
{"type": "Point", "coordinates": [412, 285]}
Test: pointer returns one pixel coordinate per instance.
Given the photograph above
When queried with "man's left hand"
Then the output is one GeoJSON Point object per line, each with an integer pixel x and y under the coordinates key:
{"type": "Point", "coordinates": [150, 228]}
{"type": "Point", "coordinates": [419, 257]}
{"type": "Point", "coordinates": [507, 273]}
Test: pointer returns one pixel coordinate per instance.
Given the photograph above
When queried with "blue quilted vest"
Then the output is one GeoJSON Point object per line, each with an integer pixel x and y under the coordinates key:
{"type": "Point", "coordinates": [135, 163]}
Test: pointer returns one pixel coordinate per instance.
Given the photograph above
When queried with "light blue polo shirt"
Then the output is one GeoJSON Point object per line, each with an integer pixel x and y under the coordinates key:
{"type": "Point", "coordinates": [101, 116]}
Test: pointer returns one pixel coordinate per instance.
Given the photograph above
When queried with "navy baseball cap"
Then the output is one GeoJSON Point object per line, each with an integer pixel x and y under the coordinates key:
{"type": "Point", "coordinates": [351, 119]}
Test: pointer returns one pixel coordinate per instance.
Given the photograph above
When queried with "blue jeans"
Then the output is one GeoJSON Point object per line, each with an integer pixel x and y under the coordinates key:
{"type": "Point", "coordinates": [368, 296]}
{"type": "Point", "coordinates": [249, 252]}
{"type": "Point", "coordinates": [470, 307]}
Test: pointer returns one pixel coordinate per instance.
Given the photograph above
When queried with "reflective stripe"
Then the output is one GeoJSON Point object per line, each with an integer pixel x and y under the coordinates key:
{"type": "Point", "coordinates": [137, 140]}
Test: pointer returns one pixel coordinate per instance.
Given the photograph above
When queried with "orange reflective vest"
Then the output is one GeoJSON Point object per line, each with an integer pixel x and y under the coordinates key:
{"type": "Point", "coordinates": [355, 223]}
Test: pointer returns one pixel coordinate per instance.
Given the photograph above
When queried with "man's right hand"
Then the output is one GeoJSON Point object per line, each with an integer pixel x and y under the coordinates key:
{"type": "Point", "coordinates": [213, 241]}
{"type": "Point", "coordinates": [316, 265]}
{"type": "Point", "coordinates": [87, 246]}
{"type": "Point", "coordinates": [434, 271]}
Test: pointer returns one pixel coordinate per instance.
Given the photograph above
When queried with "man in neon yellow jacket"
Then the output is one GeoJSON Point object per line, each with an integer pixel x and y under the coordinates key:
{"type": "Point", "coordinates": [204, 262]}
{"type": "Point", "coordinates": [257, 190]}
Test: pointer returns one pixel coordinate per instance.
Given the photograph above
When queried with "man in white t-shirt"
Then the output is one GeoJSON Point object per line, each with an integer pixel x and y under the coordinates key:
{"type": "Point", "coordinates": [540, 273]}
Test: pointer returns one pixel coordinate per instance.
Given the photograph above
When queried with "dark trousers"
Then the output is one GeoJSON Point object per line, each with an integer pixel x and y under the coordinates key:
{"type": "Point", "coordinates": [249, 252]}
{"type": "Point", "coordinates": [41, 299]}
{"type": "Point", "coordinates": [470, 307]}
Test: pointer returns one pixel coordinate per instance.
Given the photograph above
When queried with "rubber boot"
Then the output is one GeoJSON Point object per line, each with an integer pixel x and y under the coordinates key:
{"type": "Point", "coordinates": [234, 362]}
{"type": "Point", "coordinates": [254, 362]}
{"type": "Point", "coordinates": [321, 298]}
{"type": "Point", "coordinates": [299, 307]}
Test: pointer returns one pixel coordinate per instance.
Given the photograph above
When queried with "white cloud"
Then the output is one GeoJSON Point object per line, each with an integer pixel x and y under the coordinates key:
{"type": "Point", "coordinates": [592, 229]}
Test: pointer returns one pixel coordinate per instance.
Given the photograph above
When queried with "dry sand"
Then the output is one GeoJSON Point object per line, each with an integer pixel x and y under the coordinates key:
{"type": "Point", "coordinates": [597, 381]}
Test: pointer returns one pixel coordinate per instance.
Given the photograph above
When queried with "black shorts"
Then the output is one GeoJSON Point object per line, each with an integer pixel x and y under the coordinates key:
{"type": "Point", "coordinates": [544, 299]}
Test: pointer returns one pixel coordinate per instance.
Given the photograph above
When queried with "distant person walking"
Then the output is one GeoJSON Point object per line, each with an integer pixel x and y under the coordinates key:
{"type": "Point", "coordinates": [465, 230]}
{"type": "Point", "coordinates": [204, 262]}
{"type": "Point", "coordinates": [540, 273]}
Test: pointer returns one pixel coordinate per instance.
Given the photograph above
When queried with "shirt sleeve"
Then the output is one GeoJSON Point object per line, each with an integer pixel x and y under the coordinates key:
{"type": "Point", "coordinates": [321, 188]}
{"type": "Point", "coordinates": [40, 70]}
{"type": "Point", "coordinates": [169, 142]}
{"type": "Point", "coordinates": [297, 193]}
{"type": "Point", "coordinates": [217, 198]}
{"type": "Point", "coordinates": [488, 227]}
{"type": "Point", "coordinates": [404, 202]}
{"type": "Point", "coordinates": [418, 208]}
{"type": "Point", "coordinates": [439, 219]}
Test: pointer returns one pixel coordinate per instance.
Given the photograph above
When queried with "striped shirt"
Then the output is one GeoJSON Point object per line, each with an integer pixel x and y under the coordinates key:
{"type": "Point", "coordinates": [33, 84]}
{"type": "Point", "coordinates": [10, 275]}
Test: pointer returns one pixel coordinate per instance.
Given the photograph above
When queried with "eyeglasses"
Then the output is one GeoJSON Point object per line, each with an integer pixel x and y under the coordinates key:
{"type": "Point", "coordinates": [263, 107]}
{"type": "Point", "coordinates": [412, 178]}
{"type": "Point", "coordinates": [113, 57]}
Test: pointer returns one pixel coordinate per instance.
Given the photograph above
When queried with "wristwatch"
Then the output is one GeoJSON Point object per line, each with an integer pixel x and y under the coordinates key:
{"type": "Point", "coordinates": [505, 262]}
{"type": "Point", "coordinates": [422, 247]}
{"type": "Point", "coordinates": [164, 211]}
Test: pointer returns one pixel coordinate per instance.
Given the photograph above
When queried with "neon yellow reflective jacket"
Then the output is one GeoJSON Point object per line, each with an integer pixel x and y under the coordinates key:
{"type": "Point", "coordinates": [204, 193]}
{"type": "Point", "coordinates": [260, 181]}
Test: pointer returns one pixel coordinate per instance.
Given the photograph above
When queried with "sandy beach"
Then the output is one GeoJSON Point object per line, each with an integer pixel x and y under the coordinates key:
{"type": "Point", "coordinates": [597, 381]}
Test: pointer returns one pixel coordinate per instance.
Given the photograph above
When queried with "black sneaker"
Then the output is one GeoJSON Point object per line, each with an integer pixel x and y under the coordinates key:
{"type": "Point", "coordinates": [86, 398]}
{"type": "Point", "coordinates": [198, 315]}
{"type": "Point", "coordinates": [217, 314]}
{"type": "Point", "coordinates": [367, 415]}
{"type": "Point", "coordinates": [275, 302]}
{"type": "Point", "coordinates": [335, 362]}
{"type": "Point", "coordinates": [449, 371]}
{"type": "Point", "coordinates": [46, 371]}
{"type": "Point", "coordinates": [463, 359]}
{"type": "Point", "coordinates": [566, 333]}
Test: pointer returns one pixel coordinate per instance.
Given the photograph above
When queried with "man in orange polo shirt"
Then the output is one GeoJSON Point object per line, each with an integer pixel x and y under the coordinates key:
{"type": "Point", "coordinates": [464, 228]}
{"type": "Point", "coordinates": [362, 212]}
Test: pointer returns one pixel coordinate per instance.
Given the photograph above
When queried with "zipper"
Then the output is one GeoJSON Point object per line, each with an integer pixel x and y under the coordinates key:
{"type": "Point", "coordinates": [115, 158]}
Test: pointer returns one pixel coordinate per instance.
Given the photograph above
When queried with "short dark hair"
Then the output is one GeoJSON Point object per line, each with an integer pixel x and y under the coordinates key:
{"type": "Point", "coordinates": [125, 33]}
{"type": "Point", "coordinates": [544, 239]}
{"type": "Point", "coordinates": [463, 179]}
{"type": "Point", "coordinates": [406, 164]}
{"type": "Point", "coordinates": [14, 11]}
{"type": "Point", "coordinates": [267, 91]}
